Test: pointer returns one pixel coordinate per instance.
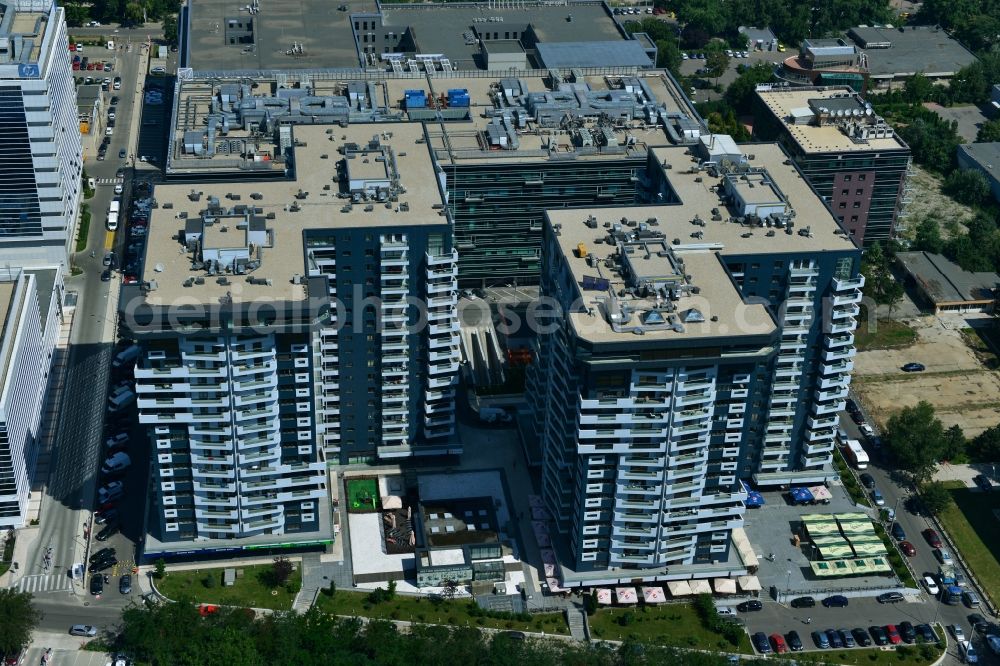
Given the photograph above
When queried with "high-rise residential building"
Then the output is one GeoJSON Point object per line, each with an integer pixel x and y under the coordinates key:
{"type": "Point", "coordinates": [505, 149]}
{"type": "Point", "coordinates": [853, 159]}
{"type": "Point", "coordinates": [40, 150]}
{"type": "Point", "coordinates": [290, 324]}
{"type": "Point", "coordinates": [703, 342]}
{"type": "Point", "coordinates": [29, 312]}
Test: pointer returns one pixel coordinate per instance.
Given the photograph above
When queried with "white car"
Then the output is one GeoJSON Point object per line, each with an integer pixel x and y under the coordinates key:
{"type": "Point", "coordinates": [729, 52]}
{"type": "Point", "coordinates": [866, 430]}
{"type": "Point", "coordinates": [932, 586]}
{"type": "Point", "coordinates": [109, 131]}
{"type": "Point", "coordinates": [83, 630]}
{"type": "Point", "coordinates": [118, 188]}
{"type": "Point", "coordinates": [726, 611]}
{"type": "Point", "coordinates": [957, 631]}
{"type": "Point", "coordinates": [943, 555]}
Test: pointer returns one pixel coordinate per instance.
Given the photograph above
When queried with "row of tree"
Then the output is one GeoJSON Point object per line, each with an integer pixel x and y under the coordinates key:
{"type": "Point", "coordinates": [176, 635]}
{"type": "Point", "coordinates": [790, 21]}
{"type": "Point", "coordinates": [124, 12]}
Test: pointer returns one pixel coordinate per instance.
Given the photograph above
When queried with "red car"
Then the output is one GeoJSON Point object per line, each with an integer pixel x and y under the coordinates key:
{"type": "Point", "coordinates": [907, 548]}
{"type": "Point", "coordinates": [76, 67]}
{"type": "Point", "coordinates": [893, 634]}
{"type": "Point", "coordinates": [778, 642]}
{"type": "Point", "coordinates": [933, 538]}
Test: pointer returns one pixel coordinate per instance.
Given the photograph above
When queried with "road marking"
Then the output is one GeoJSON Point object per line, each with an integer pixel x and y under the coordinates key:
{"type": "Point", "coordinates": [109, 240]}
{"type": "Point", "coordinates": [44, 583]}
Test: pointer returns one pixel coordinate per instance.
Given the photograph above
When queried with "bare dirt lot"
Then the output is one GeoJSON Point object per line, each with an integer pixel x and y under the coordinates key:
{"type": "Point", "coordinates": [962, 391]}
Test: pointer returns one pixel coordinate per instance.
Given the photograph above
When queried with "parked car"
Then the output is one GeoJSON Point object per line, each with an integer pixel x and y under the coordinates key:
{"type": "Point", "coordinates": [879, 635]}
{"type": "Point", "coordinates": [725, 611]}
{"type": "Point", "coordinates": [847, 638]}
{"type": "Point", "coordinates": [968, 652]}
{"type": "Point", "coordinates": [125, 584]}
{"type": "Point", "coordinates": [836, 641]}
{"type": "Point", "coordinates": [835, 601]}
{"type": "Point", "coordinates": [96, 584]}
{"type": "Point", "coordinates": [984, 482]}
{"type": "Point", "coordinates": [897, 532]}
{"type": "Point", "coordinates": [861, 637]}
{"type": "Point", "coordinates": [933, 538]}
{"type": "Point", "coordinates": [102, 564]}
{"type": "Point", "coordinates": [778, 643]}
{"type": "Point", "coordinates": [908, 548]}
{"type": "Point", "coordinates": [866, 430]}
{"type": "Point", "coordinates": [957, 632]}
{"type": "Point", "coordinates": [943, 556]}
{"type": "Point", "coordinates": [893, 633]}
{"type": "Point", "coordinates": [914, 367]}
{"type": "Point", "coordinates": [111, 491]}
{"type": "Point", "coordinates": [907, 631]}
{"type": "Point", "coordinates": [102, 517]}
{"type": "Point", "coordinates": [116, 442]}
{"type": "Point", "coordinates": [931, 585]}
{"type": "Point", "coordinates": [761, 643]}
{"type": "Point", "coordinates": [748, 606]}
{"type": "Point", "coordinates": [794, 641]}
{"type": "Point", "coordinates": [803, 602]}
{"type": "Point", "coordinates": [994, 642]}
{"type": "Point", "coordinates": [87, 630]}
{"type": "Point", "coordinates": [109, 531]}
{"type": "Point", "coordinates": [970, 599]}
{"type": "Point", "coordinates": [978, 623]}
{"type": "Point", "coordinates": [926, 633]}
{"type": "Point", "coordinates": [877, 497]}
{"type": "Point", "coordinates": [103, 552]}
{"type": "Point", "coordinates": [121, 155]}
{"type": "Point", "coordinates": [867, 480]}
{"type": "Point", "coordinates": [890, 597]}
{"type": "Point", "coordinates": [820, 639]}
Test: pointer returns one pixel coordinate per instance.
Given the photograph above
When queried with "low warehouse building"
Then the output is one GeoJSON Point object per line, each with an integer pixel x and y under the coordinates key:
{"type": "Point", "coordinates": [946, 287]}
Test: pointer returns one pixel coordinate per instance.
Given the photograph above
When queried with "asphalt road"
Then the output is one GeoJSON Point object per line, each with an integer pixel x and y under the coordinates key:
{"type": "Point", "coordinates": [924, 561]}
{"type": "Point", "coordinates": [77, 454]}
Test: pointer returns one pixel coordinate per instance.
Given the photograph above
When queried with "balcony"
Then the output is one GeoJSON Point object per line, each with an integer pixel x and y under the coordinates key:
{"type": "Point", "coordinates": [846, 299]}
{"type": "Point", "coordinates": [850, 283]}
{"type": "Point", "coordinates": [839, 354]}
{"type": "Point", "coordinates": [798, 271]}
{"type": "Point", "coordinates": [845, 311]}
{"type": "Point", "coordinates": [838, 341]}
{"type": "Point", "coordinates": [815, 422]}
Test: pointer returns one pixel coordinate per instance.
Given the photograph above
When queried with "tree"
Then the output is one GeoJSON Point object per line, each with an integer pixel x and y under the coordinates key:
{"type": "Point", "coordinates": [740, 93]}
{"type": "Point", "coordinates": [449, 589]}
{"type": "Point", "coordinates": [391, 590]}
{"type": "Point", "coordinates": [988, 132]}
{"type": "Point", "coordinates": [927, 236]}
{"type": "Point", "coordinates": [18, 619]}
{"type": "Point", "coordinates": [892, 294]}
{"type": "Point", "coordinates": [716, 63]}
{"type": "Point", "coordinates": [935, 496]}
{"type": "Point", "coordinates": [170, 29]}
{"type": "Point", "coordinates": [985, 447]}
{"type": "Point", "coordinates": [160, 568]}
{"type": "Point", "coordinates": [668, 55]}
{"type": "Point", "coordinates": [954, 444]}
{"type": "Point", "coordinates": [281, 570]}
{"type": "Point", "coordinates": [968, 186]}
{"type": "Point", "coordinates": [916, 438]}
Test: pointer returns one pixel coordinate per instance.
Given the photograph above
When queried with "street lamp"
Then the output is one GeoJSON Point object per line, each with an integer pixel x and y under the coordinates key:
{"type": "Point", "coordinates": [788, 583]}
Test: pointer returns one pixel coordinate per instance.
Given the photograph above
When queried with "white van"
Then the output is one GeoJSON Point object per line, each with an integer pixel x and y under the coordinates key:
{"type": "Point", "coordinates": [120, 401]}
{"type": "Point", "coordinates": [117, 463]}
{"type": "Point", "coordinates": [126, 356]}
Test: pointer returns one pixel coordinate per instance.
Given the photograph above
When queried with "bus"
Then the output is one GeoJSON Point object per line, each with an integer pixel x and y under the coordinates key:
{"type": "Point", "coordinates": [855, 454]}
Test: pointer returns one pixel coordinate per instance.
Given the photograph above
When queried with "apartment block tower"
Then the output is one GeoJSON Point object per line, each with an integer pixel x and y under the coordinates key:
{"type": "Point", "coordinates": [283, 329]}
{"type": "Point", "coordinates": [40, 152]}
{"type": "Point", "coordinates": [700, 343]}
{"type": "Point", "coordinates": [26, 345]}
{"type": "Point", "coordinates": [851, 156]}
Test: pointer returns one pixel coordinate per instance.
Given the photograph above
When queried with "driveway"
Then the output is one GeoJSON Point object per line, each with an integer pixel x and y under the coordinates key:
{"type": "Point", "coordinates": [968, 117]}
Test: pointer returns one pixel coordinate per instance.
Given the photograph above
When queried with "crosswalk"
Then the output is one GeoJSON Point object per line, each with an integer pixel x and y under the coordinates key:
{"type": "Point", "coordinates": [106, 181]}
{"type": "Point", "coordinates": [45, 583]}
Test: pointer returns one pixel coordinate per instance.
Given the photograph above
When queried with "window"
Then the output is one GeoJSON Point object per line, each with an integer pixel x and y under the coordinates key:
{"type": "Point", "coordinates": [858, 192]}
{"type": "Point", "coordinates": [861, 176]}
{"type": "Point", "coordinates": [844, 193]}
{"type": "Point", "coordinates": [847, 179]}
{"type": "Point", "coordinates": [843, 204]}
{"type": "Point", "coordinates": [857, 204]}
{"type": "Point", "coordinates": [854, 219]}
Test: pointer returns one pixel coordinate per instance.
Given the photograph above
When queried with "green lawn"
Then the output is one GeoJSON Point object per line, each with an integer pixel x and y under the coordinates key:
{"type": "Point", "coordinates": [362, 495]}
{"type": "Point", "coordinates": [675, 625]}
{"type": "Point", "coordinates": [975, 528]}
{"type": "Point", "coordinates": [885, 334]}
{"type": "Point", "coordinates": [426, 610]}
{"type": "Point", "coordinates": [250, 590]}
{"type": "Point", "coordinates": [905, 655]}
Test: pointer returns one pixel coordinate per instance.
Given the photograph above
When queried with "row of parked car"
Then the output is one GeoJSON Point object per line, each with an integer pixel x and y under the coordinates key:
{"type": "Point", "coordinates": [890, 634]}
